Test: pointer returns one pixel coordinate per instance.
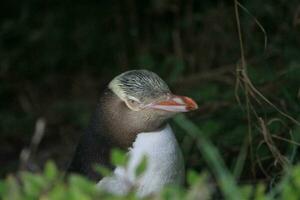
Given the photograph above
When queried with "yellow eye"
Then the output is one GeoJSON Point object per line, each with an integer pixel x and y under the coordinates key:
{"type": "Point", "coordinates": [132, 101]}
{"type": "Point", "coordinates": [133, 104]}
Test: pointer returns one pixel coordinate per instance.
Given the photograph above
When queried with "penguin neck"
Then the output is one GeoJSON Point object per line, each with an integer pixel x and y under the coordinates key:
{"type": "Point", "coordinates": [122, 124]}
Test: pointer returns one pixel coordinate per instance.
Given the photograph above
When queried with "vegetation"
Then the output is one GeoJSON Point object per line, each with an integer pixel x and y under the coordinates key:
{"type": "Point", "coordinates": [240, 61]}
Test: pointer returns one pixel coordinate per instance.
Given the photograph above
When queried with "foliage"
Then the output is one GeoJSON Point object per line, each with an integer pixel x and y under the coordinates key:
{"type": "Point", "coordinates": [51, 184]}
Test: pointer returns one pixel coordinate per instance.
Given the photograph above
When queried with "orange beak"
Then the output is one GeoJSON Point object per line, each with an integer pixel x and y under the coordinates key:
{"type": "Point", "coordinates": [175, 103]}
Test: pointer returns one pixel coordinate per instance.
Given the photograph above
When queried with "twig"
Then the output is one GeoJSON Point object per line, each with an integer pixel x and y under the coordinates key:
{"type": "Point", "coordinates": [243, 81]}
{"type": "Point", "coordinates": [286, 140]}
{"type": "Point", "coordinates": [28, 153]}
{"type": "Point", "coordinates": [272, 147]}
{"type": "Point", "coordinates": [257, 22]}
{"type": "Point", "coordinates": [242, 70]}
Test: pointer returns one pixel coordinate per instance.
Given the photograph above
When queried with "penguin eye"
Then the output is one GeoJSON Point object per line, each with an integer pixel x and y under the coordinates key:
{"type": "Point", "coordinates": [133, 103]}
{"type": "Point", "coordinates": [132, 99]}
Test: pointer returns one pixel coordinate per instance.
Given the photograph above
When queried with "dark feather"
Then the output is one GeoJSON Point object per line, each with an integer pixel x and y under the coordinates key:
{"type": "Point", "coordinates": [94, 148]}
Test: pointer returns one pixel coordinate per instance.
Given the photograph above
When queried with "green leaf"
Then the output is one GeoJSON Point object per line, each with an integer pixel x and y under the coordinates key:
{"type": "Point", "coordinates": [192, 177]}
{"type": "Point", "coordinates": [260, 192]}
{"type": "Point", "coordinates": [246, 191]}
{"type": "Point", "coordinates": [104, 171]}
{"type": "Point", "coordinates": [76, 194]}
{"type": "Point", "coordinates": [212, 157]}
{"type": "Point", "coordinates": [199, 188]}
{"type": "Point", "coordinates": [142, 166]}
{"type": "Point", "coordinates": [13, 189]}
{"type": "Point", "coordinates": [118, 157]}
{"type": "Point", "coordinates": [172, 192]}
{"type": "Point", "coordinates": [50, 171]}
{"type": "Point", "coordinates": [3, 188]}
{"type": "Point", "coordinates": [80, 188]}
{"type": "Point", "coordinates": [58, 192]}
{"type": "Point", "coordinates": [78, 182]}
{"type": "Point", "coordinates": [34, 184]}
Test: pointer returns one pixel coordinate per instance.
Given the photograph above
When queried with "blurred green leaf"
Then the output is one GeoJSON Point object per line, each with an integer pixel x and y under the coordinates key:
{"type": "Point", "coordinates": [172, 192]}
{"type": "Point", "coordinates": [260, 192]}
{"type": "Point", "coordinates": [246, 191]}
{"type": "Point", "coordinates": [58, 192]}
{"type": "Point", "coordinates": [80, 188]}
{"type": "Point", "coordinates": [192, 177]}
{"type": "Point", "coordinates": [2, 188]}
{"type": "Point", "coordinates": [118, 157]}
{"type": "Point", "coordinates": [13, 189]}
{"type": "Point", "coordinates": [82, 184]}
{"type": "Point", "coordinates": [142, 166]}
{"type": "Point", "coordinates": [104, 171]}
{"type": "Point", "coordinates": [50, 171]}
{"type": "Point", "coordinates": [241, 159]}
{"type": "Point", "coordinates": [34, 184]}
{"type": "Point", "coordinates": [212, 157]}
{"type": "Point", "coordinates": [75, 194]}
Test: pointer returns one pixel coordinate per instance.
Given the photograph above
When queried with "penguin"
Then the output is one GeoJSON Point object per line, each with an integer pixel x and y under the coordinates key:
{"type": "Point", "coordinates": [132, 114]}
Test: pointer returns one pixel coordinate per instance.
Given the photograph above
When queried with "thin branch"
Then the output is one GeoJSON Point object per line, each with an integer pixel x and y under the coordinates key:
{"type": "Point", "coordinates": [28, 153]}
{"type": "Point", "coordinates": [258, 24]}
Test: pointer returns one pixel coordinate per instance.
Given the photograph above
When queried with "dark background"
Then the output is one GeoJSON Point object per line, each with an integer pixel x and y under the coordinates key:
{"type": "Point", "coordinates": [55, 56]}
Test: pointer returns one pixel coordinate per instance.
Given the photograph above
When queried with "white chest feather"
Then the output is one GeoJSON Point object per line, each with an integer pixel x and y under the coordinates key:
{"type": "Point", "coordinates": [165, 165]}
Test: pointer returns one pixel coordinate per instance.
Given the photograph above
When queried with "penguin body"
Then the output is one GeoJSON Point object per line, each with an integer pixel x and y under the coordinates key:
{"type": "Point", "coordinates": [132, 115]}
{"type": "Point", "coordinates": [164, 165]}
